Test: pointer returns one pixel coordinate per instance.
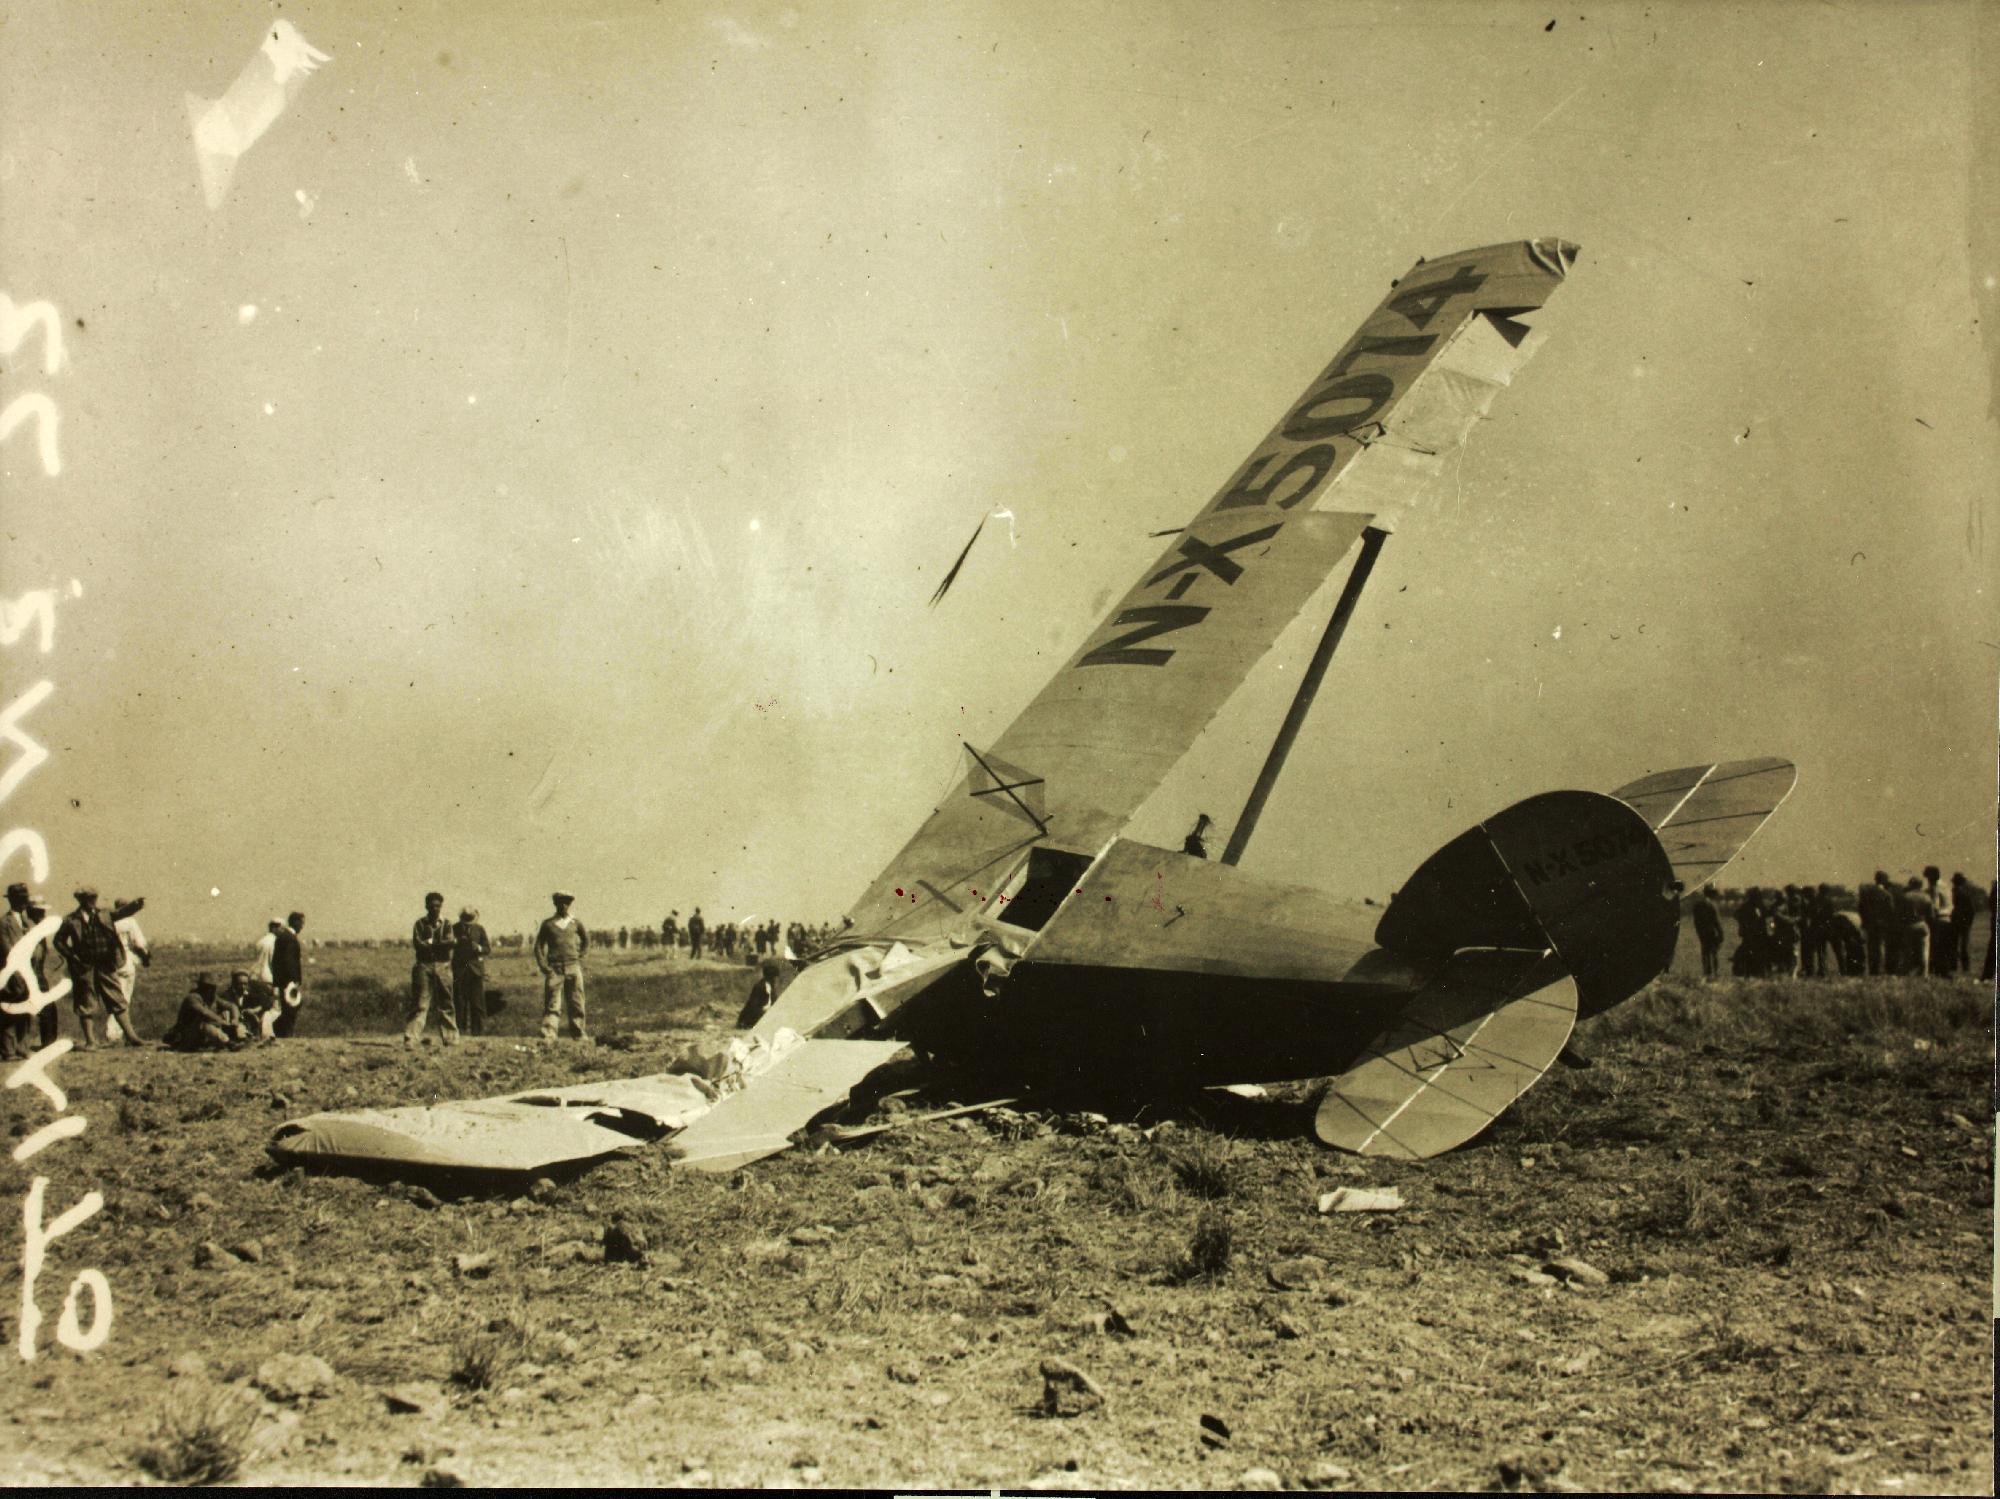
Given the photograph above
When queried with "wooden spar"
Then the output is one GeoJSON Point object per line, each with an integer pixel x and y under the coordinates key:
{"type": "Point", "coordinates": [1302, 700]}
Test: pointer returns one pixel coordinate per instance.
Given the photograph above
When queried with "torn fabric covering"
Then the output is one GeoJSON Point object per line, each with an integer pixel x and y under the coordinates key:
{"type": "Point", "coordinates": [521, 1132]}
{"type": "Point", "coordinates": [871, 976]}
{"type": "Point", "coordinates": [729, 1062]}
{"type": "Point", "coordinates": [796, 1080]}
{"type": "Point", "coordinates": [810, 1079]}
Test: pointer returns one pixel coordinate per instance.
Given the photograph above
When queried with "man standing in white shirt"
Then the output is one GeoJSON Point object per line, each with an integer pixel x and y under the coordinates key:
{"type": "Point", "coordinates": [267, 949]}
{"type": "Point", "coordinates": [137, 953]}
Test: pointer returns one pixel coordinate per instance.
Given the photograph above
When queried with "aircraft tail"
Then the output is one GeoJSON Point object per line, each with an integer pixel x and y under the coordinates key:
{"type": "Point", "coordinates": [1597, 879]}
{"type": "Point", "coordinates": [1575, 872]}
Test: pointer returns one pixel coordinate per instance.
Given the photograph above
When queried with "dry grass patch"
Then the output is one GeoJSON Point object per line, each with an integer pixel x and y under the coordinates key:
{"type": "Point", "coordinates": [202, 1436]}
{"type": "Point", "coordinates": [1209, 1250]}
{"type": "Point", "coordinates": [1205, 1165]}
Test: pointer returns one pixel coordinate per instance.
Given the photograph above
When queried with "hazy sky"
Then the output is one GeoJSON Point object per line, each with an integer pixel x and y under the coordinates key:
{"type": "Point", "coordinates": [623, 377]}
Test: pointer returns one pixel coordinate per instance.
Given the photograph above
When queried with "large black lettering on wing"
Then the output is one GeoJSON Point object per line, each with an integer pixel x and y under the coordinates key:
{"type": "Point", "coordinates": [1141, 688]}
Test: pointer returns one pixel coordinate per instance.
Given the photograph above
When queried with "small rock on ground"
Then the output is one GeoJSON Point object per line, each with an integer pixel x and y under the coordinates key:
{"type": "Point", "coordinates": [624, 1243]}
{"type": "Point", "coordinates": [1324, 1475]}
{"type": "Point", "coordinates": [294, 1376]}
{"type": "Point", "coordinates": [414, 1398]}
{"type": "Point", "coordinates": [1576, 1271]}
{"type": "Point", "coordinates": [1067, 1390]}
{"type": "Point", "coordinates": [1295, 1274]}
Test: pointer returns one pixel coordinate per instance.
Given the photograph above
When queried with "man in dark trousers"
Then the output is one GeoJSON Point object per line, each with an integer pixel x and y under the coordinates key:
{"type": "Point", "coordinates": [1784, 928]}
{"type": "Point", "coordinates": [1708, 932]}
{"type": "Point", "coordinates": [763, 994]}
{"type": "Point", "coordinates": [697, 933]}
{"type": "Point", "coordinates": [1965, 906]}
{"type": "Point", "coordinates": [288, 974]}
{"type": "Point", "coordinates": [1915, 911]}
{"type": "Point", "coordinates": [1993, 922]}
{"type": "Point", "coordinates": [469, 947]}
{"type": "Point", "coordinates": [17, 1031]}
{"type": "Point", "coordinates": [1877, 905]}
{"type": "Point", "coordinates": [1752, 958]}
{"type": "Point", "coordinates": [430, 941]}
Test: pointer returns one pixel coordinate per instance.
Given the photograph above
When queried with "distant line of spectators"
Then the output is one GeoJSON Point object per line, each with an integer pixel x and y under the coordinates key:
{"type": "Point", "coordinates": [1922, 926]}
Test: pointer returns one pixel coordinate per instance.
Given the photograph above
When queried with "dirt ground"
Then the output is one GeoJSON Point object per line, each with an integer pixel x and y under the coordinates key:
{"type": "Point", "coordinates": [1787, 1187]}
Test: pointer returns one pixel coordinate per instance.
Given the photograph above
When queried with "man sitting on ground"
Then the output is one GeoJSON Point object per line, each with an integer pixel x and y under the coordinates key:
{"type": "Point", "coordinates": [207, 1022]}
{"type": "Point", "coordinates": [256, 1002]}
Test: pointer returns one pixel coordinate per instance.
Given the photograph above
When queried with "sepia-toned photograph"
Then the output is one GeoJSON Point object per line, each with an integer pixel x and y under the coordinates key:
{"type": "Point", "coordinates": [1000, 747]}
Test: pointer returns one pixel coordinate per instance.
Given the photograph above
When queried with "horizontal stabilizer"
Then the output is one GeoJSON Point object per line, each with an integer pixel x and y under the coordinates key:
{"type": "Point", "coordinates": [760, 1119]}
{"type": "Point", "coordinates": [1704, 814]}
{"type": "Point", "coordinates": [1474, 1039]}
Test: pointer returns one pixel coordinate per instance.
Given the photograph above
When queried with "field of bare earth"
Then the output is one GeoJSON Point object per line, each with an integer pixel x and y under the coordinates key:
{"type": "Point", "coordinates": [1750, 1247]}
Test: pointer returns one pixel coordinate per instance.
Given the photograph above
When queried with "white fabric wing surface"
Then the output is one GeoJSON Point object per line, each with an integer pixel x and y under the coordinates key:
{"type": "Point", "coordinates": [1482, 1034]}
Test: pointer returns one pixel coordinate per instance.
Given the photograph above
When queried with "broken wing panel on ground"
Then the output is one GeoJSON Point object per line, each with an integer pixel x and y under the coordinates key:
{"type": "Point", "coordinates": [761, 1119]}
{"type": "Point", "coordinates": [1367, 435]}
{"type": "Point", "coordinates": [1481, 1034]}
{"type": "Point", "coordinates": [521, 1132]}
{"type": "Point", "coordinates": [1704, 814]}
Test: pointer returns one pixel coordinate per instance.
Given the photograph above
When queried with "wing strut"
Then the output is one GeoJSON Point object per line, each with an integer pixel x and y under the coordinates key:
{"type": "Point", "coordinates": [1302, 700]}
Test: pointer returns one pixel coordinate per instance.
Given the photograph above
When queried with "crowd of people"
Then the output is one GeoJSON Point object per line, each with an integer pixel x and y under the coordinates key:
{"type": "Point", "coordinates": [753, 940]}
{"type": "Point", "coordinates": [1919, 926]}
{"type": "Point", "coordinates": [448, 976]}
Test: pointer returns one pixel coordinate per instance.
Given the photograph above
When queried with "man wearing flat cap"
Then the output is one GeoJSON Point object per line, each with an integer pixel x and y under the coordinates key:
{"type": "Point", "coordinates": [559, 949]}
{"type": "Point", "coordinates": [469, 947]}
{"type": "Point", "coordinates": [90, 945]}
{"type": "Point", "coordinates": [431, 938]}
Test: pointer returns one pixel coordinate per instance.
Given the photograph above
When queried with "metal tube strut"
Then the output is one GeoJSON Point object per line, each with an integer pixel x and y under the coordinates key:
{"type": "Point", "coordinates": [1302, 700]}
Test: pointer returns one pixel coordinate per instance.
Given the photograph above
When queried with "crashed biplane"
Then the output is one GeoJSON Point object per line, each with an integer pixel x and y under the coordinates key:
{"type": "Point", "coordinates": [1020, 930]}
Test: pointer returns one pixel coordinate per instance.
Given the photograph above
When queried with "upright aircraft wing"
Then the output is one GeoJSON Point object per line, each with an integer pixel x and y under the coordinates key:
{"type": "Point", "coordinates": [1370, 431]}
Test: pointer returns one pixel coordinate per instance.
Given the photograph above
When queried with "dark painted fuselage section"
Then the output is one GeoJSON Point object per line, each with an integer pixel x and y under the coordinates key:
{"type": "Point", "coordinates": [1120, 1032]}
